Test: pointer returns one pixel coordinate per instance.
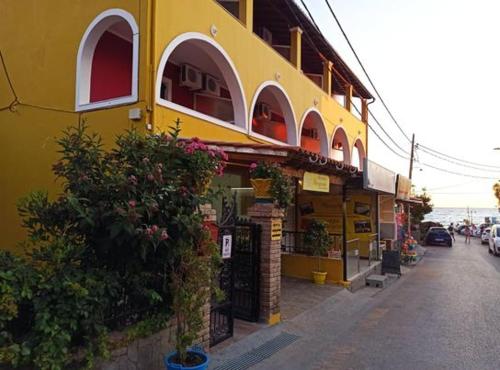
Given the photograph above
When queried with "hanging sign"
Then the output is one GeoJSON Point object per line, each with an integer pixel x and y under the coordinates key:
{"type": "Point", "coordinates": [378, 178]}
{"type": "Point", "coordinates": [227, 243]}
{"type": "Point", "coordinates": [316, 182]}
{"type": "Point", "coordinates": [403, 188]}
{"type": "Point", "coordinates": [276, 232]}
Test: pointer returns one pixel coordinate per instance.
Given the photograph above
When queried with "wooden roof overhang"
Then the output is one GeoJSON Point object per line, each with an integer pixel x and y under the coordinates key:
{"type": "Point", "coordinates": [281, 16]}
{"type": "Point", "coordinates": [294, 160]}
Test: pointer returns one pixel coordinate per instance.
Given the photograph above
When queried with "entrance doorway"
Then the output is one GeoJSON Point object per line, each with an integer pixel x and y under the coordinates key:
{"type": "Point", "coordinates": [239, 241]}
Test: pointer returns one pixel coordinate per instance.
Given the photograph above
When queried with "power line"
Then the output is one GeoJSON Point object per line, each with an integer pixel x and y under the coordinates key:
{"type": "Point", "coordinates": [458, 173]}
{"type": "Point", "coordinates": [496, 169]}
{"type": "Point", "coordinates": [365, 72]}
{"type": "Point", "coordinates": [436, 153]}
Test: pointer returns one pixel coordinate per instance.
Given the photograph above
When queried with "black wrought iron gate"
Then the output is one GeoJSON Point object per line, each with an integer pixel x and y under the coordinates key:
{"type": "Point", "coordinates": [239, 277]}
{"type": "Point", "coordinates": [246, 271]}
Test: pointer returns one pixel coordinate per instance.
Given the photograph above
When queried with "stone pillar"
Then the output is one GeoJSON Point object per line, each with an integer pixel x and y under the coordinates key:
{"type": "Point", "coordinates": [267, 214]}
{"type": "Point", "coordinates": [246, 13]}
{"type": "Point", "coordinates": [296, 47]}
{"type": "Point", "coordinates": [327, 77]}
{"type": "Point", "coordinates": [209, 221]}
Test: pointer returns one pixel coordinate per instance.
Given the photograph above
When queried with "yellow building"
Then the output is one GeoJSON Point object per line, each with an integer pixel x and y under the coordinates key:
{"type": "Point", "coordinates": [247, 71]}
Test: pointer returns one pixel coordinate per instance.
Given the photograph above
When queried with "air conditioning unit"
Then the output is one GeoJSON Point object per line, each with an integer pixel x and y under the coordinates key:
{"type": "Point", "coordinates": [310, 132]}
{"type": "Point", "coordinates": [190, 77]}
{"type": "Point", "coordinates": [210, 85]}
{"type": "Point", "coordinates": [263, 110]}
{"type": "Point", "coordinates": [267, 36]}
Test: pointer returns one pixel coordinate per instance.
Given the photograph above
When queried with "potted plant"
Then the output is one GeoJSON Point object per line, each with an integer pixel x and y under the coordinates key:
{"type": "Point", "coordinates": [270, 184]}
{"type": "Point", "coordinates": [318, 240]}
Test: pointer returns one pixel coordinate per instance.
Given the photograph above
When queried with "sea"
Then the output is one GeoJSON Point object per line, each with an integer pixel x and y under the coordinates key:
{"type": "Point", "coordinates": [447, 215]}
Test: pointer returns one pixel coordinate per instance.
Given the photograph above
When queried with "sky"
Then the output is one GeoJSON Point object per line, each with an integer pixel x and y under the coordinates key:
{"type": "Point", "coordinates": [436, 65]}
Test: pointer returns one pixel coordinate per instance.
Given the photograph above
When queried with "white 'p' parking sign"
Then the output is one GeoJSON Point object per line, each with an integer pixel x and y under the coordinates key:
{"type": "Point", "coordinates": [227, 242]}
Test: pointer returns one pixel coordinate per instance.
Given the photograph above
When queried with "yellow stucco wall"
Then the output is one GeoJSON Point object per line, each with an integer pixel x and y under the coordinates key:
{"type": "Point", "coordinates": [255, 62]}
{"type": "Point", "coordinates": [301, 266]}
{"type": "Point", "coordinates": [39, 43]}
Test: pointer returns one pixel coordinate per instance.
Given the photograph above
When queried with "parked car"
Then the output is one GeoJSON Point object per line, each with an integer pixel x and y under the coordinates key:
{"type": "Point", "coordinates": [494, 241]}
{"type": "Point", "coordinates": [438, 236]}
{"type": "Point", "coordinates": [485, 236]}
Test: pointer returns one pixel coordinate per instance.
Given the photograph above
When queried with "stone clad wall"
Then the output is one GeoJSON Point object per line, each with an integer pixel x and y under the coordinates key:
{"type": "Point", "coordinates": [142, 354]}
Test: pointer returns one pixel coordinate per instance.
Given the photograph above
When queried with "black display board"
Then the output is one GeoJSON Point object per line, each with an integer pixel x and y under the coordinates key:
{"type": "Point", "coordinates": [391, 262]}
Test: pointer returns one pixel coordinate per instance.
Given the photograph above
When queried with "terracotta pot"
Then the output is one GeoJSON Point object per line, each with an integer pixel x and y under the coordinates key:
{"type": "Point", "coordinates": [262, 188]}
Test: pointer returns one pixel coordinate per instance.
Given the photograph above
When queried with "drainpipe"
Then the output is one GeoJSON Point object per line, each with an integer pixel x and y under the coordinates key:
{"type": "Point", "coordinates": [344, 230]}
{"type": "Point", "coordinates": [377, 210]}
{"type": "Point", "coordinates": [151, 60]}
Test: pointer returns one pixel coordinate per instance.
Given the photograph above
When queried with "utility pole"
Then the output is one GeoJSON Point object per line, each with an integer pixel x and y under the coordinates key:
{"type": "Point", "coordinates": [412, 154]}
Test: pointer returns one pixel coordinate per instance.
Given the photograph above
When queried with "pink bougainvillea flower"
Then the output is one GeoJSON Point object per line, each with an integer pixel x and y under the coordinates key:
{"type": "Point", "coordinates": [150, 177]}
{"type": "Point", "coordinates": [154, 229]}
{"type": "Point", "coordinates": [145, 160]}
{"type": "Point", "coordinates": [132, 203]}
{"type": "Point", "coordinates": [164, 235]}
{"type": "Point", "coordinates": [132, 179]}
{"type": "Point", "coordinates": [253, 166]}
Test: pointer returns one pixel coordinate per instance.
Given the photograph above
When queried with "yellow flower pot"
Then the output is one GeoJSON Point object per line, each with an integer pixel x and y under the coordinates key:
{"type": "Point", "coordinates": [319, 277]}
{"type": "Point", "coordinates": [262, 188]}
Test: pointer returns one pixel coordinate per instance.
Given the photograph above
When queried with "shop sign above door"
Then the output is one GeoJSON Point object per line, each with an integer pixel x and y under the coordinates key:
{"type": "Point", "coordinates": [378, 178]}
{"type": "Point", "coordinates": [316, 182]}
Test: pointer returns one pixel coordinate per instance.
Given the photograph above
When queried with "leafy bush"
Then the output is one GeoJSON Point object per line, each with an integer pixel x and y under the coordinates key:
{"type": "Point", "coordinates": [281, 188]}
{"type": "Point", "coordinates": [124, 242]}
{"type": "Point", "coordinates": [317, 238]}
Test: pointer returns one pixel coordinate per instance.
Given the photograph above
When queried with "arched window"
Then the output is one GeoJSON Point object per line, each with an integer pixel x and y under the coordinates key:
{"type": "Point", "coordinates": [106, 71]}
{"type": "Point", "coordinates": [340, 146]}
{"type": "Point", "coordinates": [197, 77]}
{"type": "Point", "coordinates": [272, 114]}
{"type": "Point", "coordinates": [358, 154]}
{"type": "Point", "coordinates": [313, 135]}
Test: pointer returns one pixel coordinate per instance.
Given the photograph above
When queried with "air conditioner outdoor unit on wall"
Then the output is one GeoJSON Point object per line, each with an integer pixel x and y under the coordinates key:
{"type": "Point", "coordinates": [310, 132]}
{"type": "Point", "coordinates": [210, 85]}
{"type": "Point", "coordinates": [263, 110]}
{"type": "Point", "coordinates": [267, 36]}
{"type": "Point", "coordinates": [190, 77]}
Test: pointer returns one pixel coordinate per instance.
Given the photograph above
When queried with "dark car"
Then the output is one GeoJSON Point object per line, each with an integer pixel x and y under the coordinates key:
{"type": "Point", "coordinates": [438, 236]}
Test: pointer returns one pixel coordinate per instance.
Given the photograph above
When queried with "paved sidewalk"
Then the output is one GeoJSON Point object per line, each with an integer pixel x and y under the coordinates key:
{"type": "Point", "coordinates": [316, 328]}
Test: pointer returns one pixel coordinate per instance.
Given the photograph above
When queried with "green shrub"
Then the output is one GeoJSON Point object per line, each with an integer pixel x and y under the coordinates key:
{"type": "Point", "coordinates": [123, 243]}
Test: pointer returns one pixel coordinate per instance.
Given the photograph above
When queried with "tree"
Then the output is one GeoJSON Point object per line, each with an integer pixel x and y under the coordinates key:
{"type": "Point", "coordinates": [419, 211]}
{"type": "Point", "coordinates": [496, 191]}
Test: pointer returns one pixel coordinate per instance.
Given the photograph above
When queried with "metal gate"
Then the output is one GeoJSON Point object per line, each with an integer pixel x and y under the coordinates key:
{"type": "Point", "coordinates": [246, 271]}
{"type": "Point", "coordinates": [239, 276]}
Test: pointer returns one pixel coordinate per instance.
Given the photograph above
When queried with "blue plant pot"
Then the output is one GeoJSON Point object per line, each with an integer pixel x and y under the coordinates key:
{"type": "Point", "coordinates": [169, 365]}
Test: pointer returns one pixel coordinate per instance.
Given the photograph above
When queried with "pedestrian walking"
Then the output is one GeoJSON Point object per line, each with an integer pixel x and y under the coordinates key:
{"type": "Point", "coordinates": [467, 233]}
{"type": "Point", "coordinates": [451, 231]}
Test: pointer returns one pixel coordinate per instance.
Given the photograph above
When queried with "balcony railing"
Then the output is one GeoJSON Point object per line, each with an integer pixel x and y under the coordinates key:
{"type": "Point", "coordinates": [293, 242]}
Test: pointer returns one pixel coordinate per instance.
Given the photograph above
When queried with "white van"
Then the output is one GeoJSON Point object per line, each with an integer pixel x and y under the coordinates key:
{"type": "Point", "coordinates": [494, 242]}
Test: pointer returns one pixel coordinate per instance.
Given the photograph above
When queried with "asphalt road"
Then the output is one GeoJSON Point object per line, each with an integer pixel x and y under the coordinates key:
{"type": "Point", "coordinates": [443, 314]}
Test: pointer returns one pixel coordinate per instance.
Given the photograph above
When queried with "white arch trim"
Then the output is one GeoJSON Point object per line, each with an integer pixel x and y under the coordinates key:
{"type": "Point", "coordinates": [325, 148]}
{"type": "Point", "coordinates": [288, 113]}
{"type": "Point", "coordinates": [361, 152]}
{"type": "Point", "coordinates": [230, 75]}
{"type": "Point", "coordinates": [86, 53]}
{"type": "Point", "coordinates": [346, 148]}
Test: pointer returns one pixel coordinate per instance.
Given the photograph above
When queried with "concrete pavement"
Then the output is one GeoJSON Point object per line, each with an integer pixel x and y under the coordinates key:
{"type": "Point", "coordinates": [443, 313]}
